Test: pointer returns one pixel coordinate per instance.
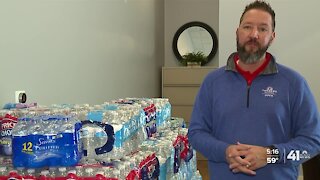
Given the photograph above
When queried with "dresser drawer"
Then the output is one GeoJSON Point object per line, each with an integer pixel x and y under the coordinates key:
{"type": "Point", "coordinates": [180, 95]}
{"type": "Point", "coordinates": [184, 75]}
{"type": "Point", "coordinates": [182, 111]}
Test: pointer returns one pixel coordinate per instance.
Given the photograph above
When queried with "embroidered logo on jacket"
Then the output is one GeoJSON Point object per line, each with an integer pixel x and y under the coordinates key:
{"type": "Point", "coordinates": [269, 92]}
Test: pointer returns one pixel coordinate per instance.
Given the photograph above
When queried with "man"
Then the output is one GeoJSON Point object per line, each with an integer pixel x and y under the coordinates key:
{"type": "Point", "coordinates": [255, 118]}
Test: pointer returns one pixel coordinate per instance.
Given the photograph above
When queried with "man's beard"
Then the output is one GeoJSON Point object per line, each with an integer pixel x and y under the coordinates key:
{"type": "Point", "coordinates": [251, 57]}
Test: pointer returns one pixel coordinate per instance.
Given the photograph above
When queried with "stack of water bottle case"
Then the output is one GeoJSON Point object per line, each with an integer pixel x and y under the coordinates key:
{"type": "Point", "coordinates": [131, 138]}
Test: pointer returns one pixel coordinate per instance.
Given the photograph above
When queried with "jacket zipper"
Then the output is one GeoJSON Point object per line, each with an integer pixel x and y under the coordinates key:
{"type": "Point", "coordinates": [248, 95]}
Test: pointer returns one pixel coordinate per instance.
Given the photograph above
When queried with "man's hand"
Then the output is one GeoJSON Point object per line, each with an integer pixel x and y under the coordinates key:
{"type": "Point", "coordinates": [246, 158]}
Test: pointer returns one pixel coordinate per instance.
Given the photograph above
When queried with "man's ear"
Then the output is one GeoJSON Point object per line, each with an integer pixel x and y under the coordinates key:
{"type": "Point", "coordinates": [273, 36]}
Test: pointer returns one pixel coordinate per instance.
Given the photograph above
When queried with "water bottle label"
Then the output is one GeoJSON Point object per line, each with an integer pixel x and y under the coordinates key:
{"type": "Point", "coordinates": [150, 168]}
{"type": "Point", "coordinates": [164, 169]}
{"type": "Point", "coordinates": [182, 151]}
{"type": "Point", "coordinates": [101, 135]}
{"type": "Point", "coordinates": [7, 123]}
{"type": "Point", "coordinates": [34, 151]}
{"type": "Point", "coordinates": [150, 117]}
{"type": "Point", "coordinates": [176, 158]}
{"type": "Point", "coordinates": [133, 174]}
{"type": "Point", "coordinates": [108, 146]}
{"type": "Point", "coordinates": [129, 129]}
{"type": "Point", "coordinates": [163, 114]}
{"type": "Point", "coordinates": [142, 118]}
{"type": "Point", "coordinates": [111, 107]}
{"type": "Point", "coordinates": [95, 116]}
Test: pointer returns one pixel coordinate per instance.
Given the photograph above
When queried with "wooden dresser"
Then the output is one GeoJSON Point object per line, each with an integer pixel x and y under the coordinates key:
{"type": "Point", "coordinates": [181, 85]}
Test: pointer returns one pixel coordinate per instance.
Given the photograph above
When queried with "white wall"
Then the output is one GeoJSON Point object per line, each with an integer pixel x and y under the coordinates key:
{"type": "Point", "coordinates": [180, 12]}
{"type": "Point", "coordinates": [80, 51]}
{"type": "Point", "coordinates": [297, 35]}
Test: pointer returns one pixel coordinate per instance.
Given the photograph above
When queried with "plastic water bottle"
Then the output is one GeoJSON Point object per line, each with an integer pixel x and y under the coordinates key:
{"type": "Point", "coordinates": [100, 174]}
{"type": "Point", "coordinates": [72, 175]}
{"type": "Point", "coordinates": [3, 171]}
{"type": "Point", "coordinates": [62, 172]}
{"type": "Point", "coordinates": [88, 172]}
{"type": "Point", "coordinates": [21, 171]}
{"type": "Point", "coordinates": [35, 126]}
{"type": "Point", "coordinates": [107, 171]}
{"type": "Point", "coordinates": [196, 176]}
{"type": "Point", "coordinates": [21, 128]}
{"type": "Point", "coordinates": [44, 174]}
{"type": "Point", "coordinates": [87, 138]}
{"type": "Point", "coordinates": [53, 172]}
{"type": "Point", "coordinates": [67, 124]}
{"type": "Point", "coordinates": [31, 174]}
{"type": "Point", "coordinates": [100, 139]}
{"type": "Point", "coordinates": [48, 122]}
{"type": "Point", "coordinates": [79, 171]}
{"type": "Point", "coordinates": [121, 167]}
{"type": "Point", "coordinates": [7, 123]}
{"type": "Point", "coordinates": [116, 174]}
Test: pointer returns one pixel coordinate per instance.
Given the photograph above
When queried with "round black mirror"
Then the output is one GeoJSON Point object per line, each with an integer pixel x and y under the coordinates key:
{"type": "Point", "coordinates": [195, 37]}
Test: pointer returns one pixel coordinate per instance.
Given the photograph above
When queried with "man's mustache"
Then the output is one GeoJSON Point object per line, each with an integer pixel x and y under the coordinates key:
{"type": "Point", "coordinates": [253, 41]}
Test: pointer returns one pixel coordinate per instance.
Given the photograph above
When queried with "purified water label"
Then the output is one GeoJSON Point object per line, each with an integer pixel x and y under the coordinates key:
{"type": "Point", "coordinates": [37, 149]}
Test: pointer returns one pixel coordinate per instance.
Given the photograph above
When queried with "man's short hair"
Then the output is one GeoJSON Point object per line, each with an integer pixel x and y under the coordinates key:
{"type": "Point", "coordinates": [261, 5]}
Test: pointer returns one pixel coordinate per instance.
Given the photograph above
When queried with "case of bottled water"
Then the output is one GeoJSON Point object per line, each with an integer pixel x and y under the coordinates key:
{"type": "Point", "coordinates": [46, 140]}
{"type": "Point", "coordinates": [130, 138]}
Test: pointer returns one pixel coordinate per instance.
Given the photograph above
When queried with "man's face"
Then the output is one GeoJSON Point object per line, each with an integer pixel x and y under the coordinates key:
{"type": "Point", "coordinates": [254, 35]}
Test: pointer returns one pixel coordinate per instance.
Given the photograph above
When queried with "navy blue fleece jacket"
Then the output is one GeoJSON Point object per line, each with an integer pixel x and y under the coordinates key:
{"type": "Point", "coordinates": [277, 109]}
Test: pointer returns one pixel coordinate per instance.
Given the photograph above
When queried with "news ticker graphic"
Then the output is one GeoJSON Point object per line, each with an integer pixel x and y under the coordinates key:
{"type": "Point", "coordinates": [297, 155]}
{"type": "Point", "coordinates": [273, 155]}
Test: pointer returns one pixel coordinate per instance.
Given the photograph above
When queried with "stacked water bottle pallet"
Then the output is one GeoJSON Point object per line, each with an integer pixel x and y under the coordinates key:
{"type": "Point", "coordinates": [132, 138]}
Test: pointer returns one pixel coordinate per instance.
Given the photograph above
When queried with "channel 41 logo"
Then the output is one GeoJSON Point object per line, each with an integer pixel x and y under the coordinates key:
{"type": "Point", "coordinates": [297, 155]}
